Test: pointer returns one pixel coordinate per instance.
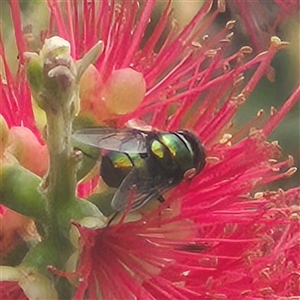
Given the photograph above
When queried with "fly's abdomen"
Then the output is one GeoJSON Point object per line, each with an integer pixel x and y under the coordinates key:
{"type": "Point", "coordinates": [115, 166]}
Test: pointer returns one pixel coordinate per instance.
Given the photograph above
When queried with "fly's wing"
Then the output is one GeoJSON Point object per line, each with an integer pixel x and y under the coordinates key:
{"type": "Point", "coordinates": [121, 140]}
{"type": "Point", "coordinates": [146, 190]}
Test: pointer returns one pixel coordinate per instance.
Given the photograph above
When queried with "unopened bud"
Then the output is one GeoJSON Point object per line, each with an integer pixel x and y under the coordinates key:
{"type": "Point", "coordinates": [55, 46]}
{"type": "Point", "coordinates": [125, 91]}
{"type": "Point", "coordinates": [90, 90]}
{"type": "Point", "coordinates": [24, 145]}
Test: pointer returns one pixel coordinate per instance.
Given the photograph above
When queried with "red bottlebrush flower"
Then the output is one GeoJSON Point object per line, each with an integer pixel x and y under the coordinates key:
{"type": "Point", "coordinates": [220, 235]}
{"type": "Point", "coordinates": [226, 246]}
{"type": "Point", "coordinates": [214, 237]}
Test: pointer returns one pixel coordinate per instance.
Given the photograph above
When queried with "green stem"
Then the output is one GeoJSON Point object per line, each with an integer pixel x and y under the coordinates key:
{"type": "Point", "coordinates": [59, 185]}
{"type": "Point", "coordinates": [61, 178]}
{"type": "Point", "coordinates": [59, 99]}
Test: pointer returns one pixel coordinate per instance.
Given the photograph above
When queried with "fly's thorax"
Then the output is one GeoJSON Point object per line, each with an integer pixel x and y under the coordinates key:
{"type": "Point", "coordinates": [171, 155]}
{"type": "Point", "coordinates": [115, 166]}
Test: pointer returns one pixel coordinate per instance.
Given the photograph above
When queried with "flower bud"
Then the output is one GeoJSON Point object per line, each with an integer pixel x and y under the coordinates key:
{"type": "Point", "coordinates": [124, 91]}
{"type": "Point", "coordinates": [55, 46]}
{"type": "Point", "coordinates": [91, 105]}
{"type": "Point", "coordinates": [24, 145]}
{"type": "Point", "coordinates": [52, 75]}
